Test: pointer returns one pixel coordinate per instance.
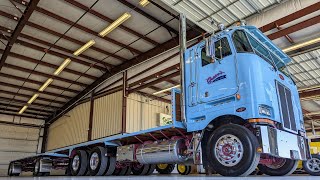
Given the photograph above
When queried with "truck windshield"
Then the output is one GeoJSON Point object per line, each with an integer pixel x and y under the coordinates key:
{"type": "Point", "coordinates": [244, 42]}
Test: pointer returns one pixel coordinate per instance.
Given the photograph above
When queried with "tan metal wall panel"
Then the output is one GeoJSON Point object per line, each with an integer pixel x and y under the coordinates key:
{"type": "Point", "coordinates": [70, 129]}
{"type": "Point", "coordinates": [142, 112]}
{"type": "Point", "coordinates": [107, 115]}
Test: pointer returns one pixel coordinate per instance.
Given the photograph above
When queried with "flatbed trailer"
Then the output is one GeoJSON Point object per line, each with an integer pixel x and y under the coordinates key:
{"type": "Point", "coordinates": [238, 109]}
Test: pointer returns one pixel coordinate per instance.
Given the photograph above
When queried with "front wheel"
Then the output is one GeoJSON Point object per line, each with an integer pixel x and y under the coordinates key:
{"type": "Point", "coordinates": [280, 167]}
{"type": "Point", "coordinates": [231, 150]}
{"type": "Point", "coordinates": [312, 166]}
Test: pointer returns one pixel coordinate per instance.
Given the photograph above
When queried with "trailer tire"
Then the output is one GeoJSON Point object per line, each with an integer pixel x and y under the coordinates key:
{"type": "Point", "coordinates": [79, 163]}
{"type": "Point", "coordinates": [287, 167]}
{"type": "Point", "coordinates": [151, 169]}
{"type": "Point", "coordinates": [140, 169]}
{"type": "Point", "coordinates": [123, 171]}
{"type": "Point", "coordinates": [98, 161]}
{"type": "Point", "coordinates": [183, 169]}
{"type": "Point", "coordinates": [165, 168]}
{"type": "Point", "coordinates": [312, 166]}
{"type": "Point", "coordinates": [111, 166]}
{"type": "Point", "coordinates": [231, 150]}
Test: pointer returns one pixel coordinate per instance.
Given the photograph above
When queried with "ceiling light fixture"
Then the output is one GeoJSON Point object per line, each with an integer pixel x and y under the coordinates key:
{"type": "Point", "coordinates": [65, 63]}
{"type": "Point", "coordinates": [115, 24]}
{"type": "Point", "coordinates": [165, 90]}
{"type": "Point", "coordinates": [143, 3]}
{"type": "Point", "coordinates": [46, 84]}
{"type": "Point", "coordinates": [23, 109]}
{"type": "Point", "coordinates": [301, 45]}
{"type": "Point", "coordinates": [84, 47]}
{"type": "Point", "coordinates": [34, 97]}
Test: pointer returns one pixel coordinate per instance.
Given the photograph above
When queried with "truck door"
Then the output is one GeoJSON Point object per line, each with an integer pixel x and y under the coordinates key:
{"type": "Point", "coordinates": [216, 80]}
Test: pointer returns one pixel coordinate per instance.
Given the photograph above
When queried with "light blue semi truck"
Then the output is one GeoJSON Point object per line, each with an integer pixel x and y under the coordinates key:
{"type": "Point", "coordinates": [238, 109]}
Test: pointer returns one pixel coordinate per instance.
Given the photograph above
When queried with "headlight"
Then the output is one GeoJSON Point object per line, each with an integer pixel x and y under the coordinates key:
{"type": "Point", "coordinates": [263, 110]}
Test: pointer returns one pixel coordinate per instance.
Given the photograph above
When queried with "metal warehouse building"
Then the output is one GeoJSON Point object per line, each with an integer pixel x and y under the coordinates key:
{"type": "Point", "coordinates": [159, 89]}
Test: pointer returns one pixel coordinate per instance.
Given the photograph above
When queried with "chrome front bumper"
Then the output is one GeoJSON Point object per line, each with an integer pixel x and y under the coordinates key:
{"type": "Point", "coordinates": [283, 144]}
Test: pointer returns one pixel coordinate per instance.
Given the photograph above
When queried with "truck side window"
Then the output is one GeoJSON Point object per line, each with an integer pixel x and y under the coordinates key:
{"type": "Point", "coordinates": [241, 42]}
{"type": "Point", "coordinates": [222, 49]}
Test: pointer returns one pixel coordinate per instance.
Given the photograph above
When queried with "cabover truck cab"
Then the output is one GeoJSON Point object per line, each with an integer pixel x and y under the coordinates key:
{"type": "Point", "coordinates": [238, 109]}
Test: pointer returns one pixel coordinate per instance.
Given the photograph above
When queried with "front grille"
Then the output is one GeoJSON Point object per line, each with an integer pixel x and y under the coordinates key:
{"type": "Point", "coordinates": [286, 108]}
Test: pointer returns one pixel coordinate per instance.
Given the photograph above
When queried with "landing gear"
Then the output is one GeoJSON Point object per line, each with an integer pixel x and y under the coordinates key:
{"type": "Point", "coordinates": [312, 166]}
{"type": "Point", "coordinates": [165, 168]}
{"type": "Point", "coordinates": [183, 169]}
{"type": "Point", "coordinates": [79, 163]}
{"type": "Point", "coordinates": [279, 167]}
{"type": "Point", "coordinates": [231, 150]}
{"type": "Point", "coordinates": [14, 169]}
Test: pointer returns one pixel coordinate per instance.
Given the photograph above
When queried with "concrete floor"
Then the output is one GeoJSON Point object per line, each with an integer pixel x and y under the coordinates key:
{"type": "Point", "coordinates": [171, 177]}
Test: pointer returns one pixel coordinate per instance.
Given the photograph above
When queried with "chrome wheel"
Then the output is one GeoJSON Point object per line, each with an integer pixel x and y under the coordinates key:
{"type": "Point", "coordinates": [229, 150]}
{"type": "Point", "coordinates": [76, 163]}
{"type": "Point", "coordinates": [314, 164]}
{"type": "Point", "coordinates": [94, 161]}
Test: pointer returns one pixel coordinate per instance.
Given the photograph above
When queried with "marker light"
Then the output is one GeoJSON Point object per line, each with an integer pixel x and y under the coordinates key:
{"type": "Point", "coordinates": [115, 24]}
{"type": "Point", "coordinates": [84, 47]}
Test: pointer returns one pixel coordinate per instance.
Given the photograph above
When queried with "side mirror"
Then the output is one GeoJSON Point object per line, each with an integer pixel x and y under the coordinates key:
{"type": "Point", "coordinates": [210, 47]}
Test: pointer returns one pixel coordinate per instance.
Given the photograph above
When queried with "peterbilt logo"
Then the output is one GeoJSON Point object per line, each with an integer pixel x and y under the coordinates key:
{"type": "Point", "coordinates": [217, 77]}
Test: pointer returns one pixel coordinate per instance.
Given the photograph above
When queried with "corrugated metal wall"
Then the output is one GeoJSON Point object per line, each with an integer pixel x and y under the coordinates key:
{"type": "Point", "coordinates": [107, 115]}
{"type": "Point", "coordinates": [16, 142]}
{"type": "Point", "coordinates": [70, 129]}
{"type": "Point", "coordinates": [142, 112]}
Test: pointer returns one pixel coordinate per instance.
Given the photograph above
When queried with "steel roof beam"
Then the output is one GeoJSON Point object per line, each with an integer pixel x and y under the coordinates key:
{"type": "Point", "coordinates": [39, 105]}
{"type": "Point", "coordinates": [295, 28]}
{"type": "Point", "coordinates": [21, 115]}
{"type": "Point", "coordinates": [26, 112]}
{"type": "Point", "coordinates": [49, 65]}
{"type": "Point", "coordinates": [36, 82]}
{"type": "Point", "coordinates": [303, 12]}
{"type": "Point", "coordinates": [29, 108]}
{"type": "Point", "coordinates": [105, 18]}
{"type": "Point", "coordinates": [308, 94]}
{"type": "Point", "coordinates": [22, 22]}
{"type": "Point", "coordinates": [29, 96]}
{"type": "Point", "coordinates": [155, 20]}
{"type": "Point", "coordinates": [33, 90]}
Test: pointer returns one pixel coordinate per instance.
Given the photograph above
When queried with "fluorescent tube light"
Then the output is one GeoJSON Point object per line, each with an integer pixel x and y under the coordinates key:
{"type": "Point", "coordinates": [165, 90]}
{"type": "Point", "coordinates": [34, 97]}
{"type": "Point", "coordinates": [62, 66]}
{"type": "Point", "coordinates": [301, 45]}
{"type": "Point", "coordinates": [84, 47]}
{"type": "Point", "coordinates": [115, 24]}
{"type": "Point", "coordinates": [143, 3]}
{"type": "Point", "coordinates": [46, 84]}
{"type": "Point", "coordinates": [23, 109]}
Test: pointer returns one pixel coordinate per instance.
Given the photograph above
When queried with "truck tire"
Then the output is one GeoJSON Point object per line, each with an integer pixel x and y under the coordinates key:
{"type": "Point", "coordinates": [183, 169]}
{"type": "Point", "coordinates": [123, 171]}
{"type": "Point", "coordinates": [312, 166]}
{"type": "Point", "coordinates": [231, 150]}
{"type": "Point", "coordinates": [283, 168]}
{"type": "Point", "coordinates": [79, 163]}
{"type": "Point", "coordinates": [140, 169]}
{"type": "Point", "coordinates": [165, 168]}
{"type": "Point", "coordinates": [98, 161]}
{"type": "Point", "coordinates": [111, 166]}
{"type": "Point", "coordinates": [152, 167]}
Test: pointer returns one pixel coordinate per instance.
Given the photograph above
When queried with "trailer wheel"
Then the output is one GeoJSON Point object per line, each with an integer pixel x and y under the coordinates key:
{"type": "Point", "coordinates": [183, 169]}
{"type": "Point", "coordinates": [152, 167]}
{"type": "Point", "coordinates": [231, 150]}
{"type": "Point", "coordinates": [140, 169]}
{"type": "Point", "coordinates": [98, 161]}
{"type": "Point", "coordinates": [282, 167]}
{"type": "Point", "coordinates": [312, 166]}
{"type": "Point", "coordinates": [79, 163]}
{"type": "Point", "coordinates": [165, 168]}
{"type": "Point", "coordinates": [111, 166]}
{"type": "Point", "coordinates": [122, 171]}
